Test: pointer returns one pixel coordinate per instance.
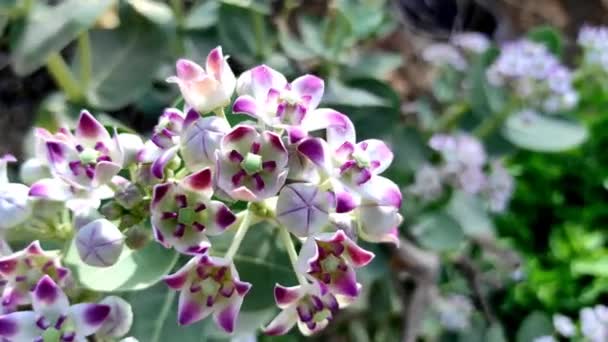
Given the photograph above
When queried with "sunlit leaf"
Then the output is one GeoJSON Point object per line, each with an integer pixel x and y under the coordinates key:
{"type": "Point", "coordinates": [125, 61]}
{"type": "Point", "coordinates": [135, 270]}
{"type": "Point", "coordinates": [544, 134]}
{"type": "Point", "coordinates": [49, 29]}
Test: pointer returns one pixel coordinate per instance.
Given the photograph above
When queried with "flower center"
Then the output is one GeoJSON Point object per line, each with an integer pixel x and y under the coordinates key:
{"type": "Point", "coordinates": [331, 263]}
{"type": "Point", "coordinates": [51, 335]}
{"type": "Point", "coordinates": [252, 163]}
{"type": "Point", "coordinates": [290, 97]}
{"type": "Point", "coordinates": [321, 315]}
{"type": "Point", "coordinates": [89, 156]}
{"type": "Point", "coordinates": [186, 216]}
{"type": "Point", "coordinates": [210, 286]}
{"type": "Point", "coordinates": [361, 158]}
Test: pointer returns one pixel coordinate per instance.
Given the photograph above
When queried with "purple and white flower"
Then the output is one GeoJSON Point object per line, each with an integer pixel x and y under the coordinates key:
{"type": "Point", "coordinates": [52, 317]}
{"type": "Point", "coordinates": [183, 213]}
{"type": "Point", "coordinates": [251, 166]}
{"type": "Point", "coordinates": [205, 89]}
{"type": "Point", "coordinates": [21, 270]}
{"type": "Point", "coordinates": [209, 286]}
{"type": "Point", "coordinates": [303, 209]}
{"type": "Point", "coordinates": [15, 206]}
{"type": "Point", "coordinates": [87, 159]}
{"type": "Point", "coordinates": [330, 259]}
{"type": "Point", "coordinates": [311, 306]}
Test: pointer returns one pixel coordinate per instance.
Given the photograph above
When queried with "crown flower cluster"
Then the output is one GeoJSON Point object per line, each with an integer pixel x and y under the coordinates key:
{"type": "Point", "coordinates": [288, 161]}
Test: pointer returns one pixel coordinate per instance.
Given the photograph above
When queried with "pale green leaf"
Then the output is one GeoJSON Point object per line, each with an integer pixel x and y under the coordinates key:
{"type": "Point", "coordinates": [49, 29]}
{"type": "Point", "coordinates": [544, 134]}
{"type": "Point", "coordinates": [135, 270]}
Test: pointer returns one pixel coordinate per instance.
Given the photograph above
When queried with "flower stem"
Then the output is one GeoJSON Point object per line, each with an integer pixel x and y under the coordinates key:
{"type": "Point", "coordinates": [291, 251]}
{"type": "Point", "coordinates": [239, 236]}
{"type": "Point", "coordinates": [220, 112]}
{"type": "Point", "coordinates": [490, 125]}
{"type": "Point", "coordinates": [84, 54]}
{"type": "Point", "coordinates": [64, 78]}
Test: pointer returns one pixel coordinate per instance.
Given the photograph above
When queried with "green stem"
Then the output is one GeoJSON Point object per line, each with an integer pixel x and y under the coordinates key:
{"type": "Point", "coordinates": [291, 251]}
{"type": "Point", "coordinates": [239, 236]}
{"type": "Point", "coordinates": [450, 117]}
{"type": "Point", "coordinates": [178, 11]}
{"type": "Point", "coordinates": [258, 31]}
{"type": "Point", "coordinates": [64, 78]}
{"type": "Point", "coordinates": [84, 53]}
{"type": "Point", "coordinates": [490, 125]}
{"type": "Point", "coordinates": [162, 316]}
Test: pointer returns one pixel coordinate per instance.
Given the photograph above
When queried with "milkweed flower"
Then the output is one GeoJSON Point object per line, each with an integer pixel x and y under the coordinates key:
{"type": "Point", "coordinates": [473, 42]}
{"type": "Point", "coordinates": [52, 317]}
{"type": "Point", "coordinates": [209, 286]}
{"type": "Point", "coordinates": [311, 306]}
{"type": "Point", "coordinates": [183, 213]}
{"type": "Point", "coordinates": [251, 166]}
{"type": "Point", "coordinates": [21, 270]}
{"type": "Point", "coordinates": [331, 259]}
{"type": "Point", "coordinates": [83, 164]}
{"type": "Point", "coordinates": [205, 89]}
{"type": "Point", "coordinates": [196, 138]}
{"type": "Point", "coordinates": [441, 54]}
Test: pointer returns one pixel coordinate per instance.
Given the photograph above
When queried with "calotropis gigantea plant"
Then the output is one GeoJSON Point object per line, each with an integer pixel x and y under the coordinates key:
{"type": "Point", "coordinates": [324, 191]}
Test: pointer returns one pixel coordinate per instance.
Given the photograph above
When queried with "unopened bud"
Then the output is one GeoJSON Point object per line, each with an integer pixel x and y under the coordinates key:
{"type": "Point", "coordinates": [128, 221]}
{"type": "Point", "coordinates": [119, 320]}
{"type": "Point", "coordinates": [130, 144]}
{"type": "Point", "coordinates": [111, 210]}
{"type": "Point", "coordinates": [15, 206]}
{"type": "Point", "coordinates": [99, 243]}
{"type": "Point", "coordinates": [138, 237]}
{"type": "Point", "coordinates": [129, 197]}
{"type": "Point", "coordinates": [34, 170]}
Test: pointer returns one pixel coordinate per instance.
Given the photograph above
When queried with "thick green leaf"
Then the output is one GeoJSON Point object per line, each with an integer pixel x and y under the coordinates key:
{"type": "Point", "coordinates": [155, 319]}
{"type": "Point", "coordinates": [535, 325]}
{"type": "Point", "coordinates": [202, 16]}
{"type": "Point", "coordinates": [485, 98]}
{"type": "Point", "coordinates": [365, 17]}
{"type": "Point", "coordinates": [311, 33]}
{"type": "Point", "coordinates": [157, 12]}
{"type": "Point", "coordinates": [51, 28]}
{"type": "Point", "coordinates": [262, 261]}
{"type": "Point", "coordinates": [125, 61]}
{"type": "Point", "coordinates": [471, 214]}
{"type": "Point", "coordinates": [495, 333]}
{"type": "Point", "coordinates": [338, 93]}
{"type": "Point", "coordinates": [135, 270]}
{"type": "Point", "coordinates": [373, 64]}
{"type": "Point", "coordinates": [293, 47]}
{"type": "Point", "coordinates": [439, 232]}
{"type": "Point", "coordinates": [548, 36]}
{"type": "Point", "coordinates": [544, 134]}
{"type": "Point", "coordinates": [244, 33]}
{"type": "Point", "coordinates": [597, 266]}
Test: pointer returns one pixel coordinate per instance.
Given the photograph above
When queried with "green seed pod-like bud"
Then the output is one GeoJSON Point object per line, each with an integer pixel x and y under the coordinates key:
{"type": "Point", "coordinates": [138, 237]}
{"type": "Point", "coordinates": [111, 210]}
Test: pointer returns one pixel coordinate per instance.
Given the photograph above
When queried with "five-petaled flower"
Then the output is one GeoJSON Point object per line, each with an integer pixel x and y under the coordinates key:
{"type": "Point", "coordinates": [209, 285]}
{"type": "Point", "coordinates": [312, 306]}
{"type": "Point", "coordinates": [183, 213]}
{"type": "Point", "coordinates": [251, 166]}
{"type": "Point", "coordinates": [21, 270]}
{"type": "Point", "coordinates": [205, 89]}
{"type": "Point", "coordinates": [331, 259]}
{"type": "Point", "coordinates": [83, 163]}
{"type": "Point", "coordinates": [52, 318]}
